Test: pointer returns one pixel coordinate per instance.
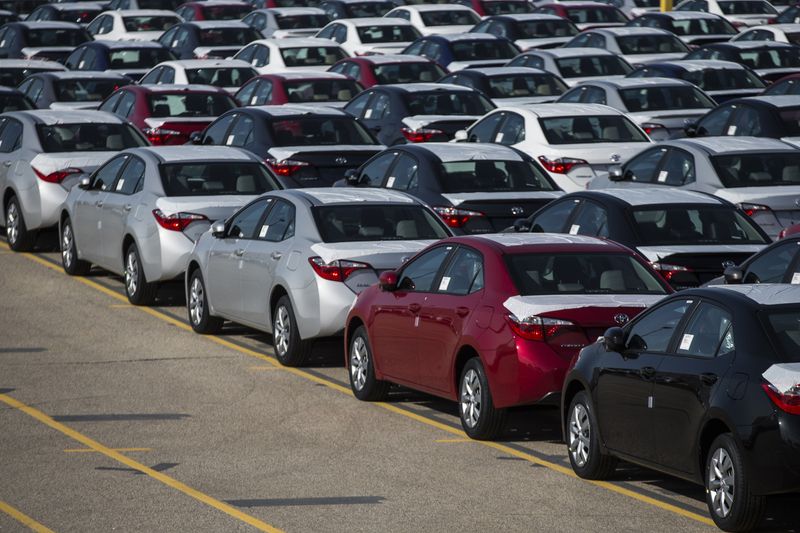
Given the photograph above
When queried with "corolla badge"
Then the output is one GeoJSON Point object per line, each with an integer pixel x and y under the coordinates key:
{"type": "Point", "coordinates": [621, 318]}
{"type": "Point", "coordinates": [341, 160]}
{"type": "Point", "coordinates": [517, 210]}
{"type": "Point", "coordinates": [615, 158]}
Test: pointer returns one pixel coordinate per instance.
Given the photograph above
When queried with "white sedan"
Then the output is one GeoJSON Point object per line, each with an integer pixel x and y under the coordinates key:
{"type": "Point", "coordinates": [635, 45]}
{"type": "Point", "coordinates": [269, 56]}
{"type": "Point", "coordinates": [229, 74]}
{"type": "Point", "coordinates": [432, 19]}
{"type": "Point", "coordinates": [132, 25]}
{"type": "Point", "coordinates": [277, 22]}
{"type": "Point", "coordinates": [366, 36]}
{"type": "Point", "coordinates": [737, 12]}
{"type": "Point", "coordinates": [782, 33]}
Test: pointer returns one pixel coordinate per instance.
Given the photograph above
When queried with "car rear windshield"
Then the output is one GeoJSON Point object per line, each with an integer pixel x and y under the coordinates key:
{"type": "Point", "coordinates": [646, 3]}
{"type": "Point", "coordinates": [57, 37]}
{"type": "Point", "coordinates": [771, 58]}
{"type": "Point", "coordinates": [709, 26]}
{"type": "Point", "coordinates": [784, 328]}
{"type": "Point", "coordinates": [88, 137]}
{"type": "Point", "coordinates": [426, 71]}
{"type": "Point", "coordinates": [149, 22]}
{"type": "Point", "coordinates": [542, 29]}
{"type": "Point", "coordinates": [585, 15]}
{"type": "Point", "coordinates": [220, 77]}
{"type": "Point", "coordinates": [790, 87]}
{"type": "Point", "coordinates": [758, 169]}
{"type": "Point", "coordinates": [232, 12]}
{"type": "Point", "coordinates": [159, 4]}
{"type": "Point", "coordinates": [14, 102]}
{"type": "Point", "coordinates": [11, 77]}
{"type": "Point", "coordinates": [723, 79]}
{"type": "Point", "coordinates": [89, 90]}
{"type": "Point", "coordinates": [321, 90]}
{"type": "Point", "coordinates": [387, 222]}
{"type": "Point", "coordinates": [537, 274]}
{"type": "Point", "coordinates": [695, 225]}
{"type": "Point", "coordinates": [588, 129]}
{"type": "Point", "coordinates": [82, 14]}
{"type": "Point", "coordinates": [586, 66]}
{"type": "Point", "coordinates": [505, 7]}
{"type": "Point", "coordinates": [492, 176]}
{"type": "Point", "coordinates": [212, 179]}
{"type": "Point", "coordinates": [662, 98]}
{"type": "Point", "coordinates": [306, 56]}
{"type": "Point", "coordinates": [227, 36]}
{"type": "Point", "coordinates": [519, 85]}
{"type": "Point", "coordinates": [189, 104]}
{"type": "Point", "coordinates": [480, 49]}
{"type": "Point", "coordinates": [293, 22]}
{"type": "Point", "coordinates": [445, 17]}
{"type": "Point", "coordinates": [387, 34]}
{"type": "Point", "coordinates": [315, 131]}
{"type": "Point", "coordinates": [741, 7]}
{"type": "Point", "coordinates": [448, 103]}
{"type": "Point", "coordinates": [138, 57]}
{"type": "Point", "coordinates": [368, 9]}
{"type": "Point", "coordinates": [651, 44]}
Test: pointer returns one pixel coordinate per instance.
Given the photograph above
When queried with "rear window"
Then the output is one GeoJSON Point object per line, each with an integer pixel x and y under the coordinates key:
{"type": "Point", "coordinates": [321, 90]}
{"type": "Point", "coordinates": [492, 176]}
{"type": "Point", "coordinates": [784, 327]}
{"type": "Point", "coordinates": [791, 121]}
{"type": "Point", "coordinates": [520, 85]}
{"type": "Point", "coordinates": [724, 79]}
{"type": "Point", "coordinates": [220, 77]}
{"type": "Point", "coordinates": [387, 34]}
{"type": "Point", "coordinates": [579, 67]}
{"type": "Point", "coordinates": [758, 170]}
{"type": "Point", "coordinates": [455, 17]}
{"type": "Point", "coordinates": [651, 44]}
{"type": "Point", "coordinates": [661, 98]}
{"type": "Point", "coordinates": [586, 130]}
{"type": "Point", "coordinates": [448, 103]}
{"type": "Point", "coordinates": [584, 15]}
{"type": "Point", "coordinates": [352, 223]}
{"type": "Point", "coordinates": [771, 58]}
{"type": "Point", "coordinates": [233, 12]}
{"type": "Point", "coordinates": [695, 225]}
{"type": "Point", "coordinates": [11, 77]}
{"type": "Point", "coordinates": [211, 179]}
{"type": "Point", "coordinates": [647, 3]}
{"type": "Point", "coordinates": [741, 7]}
{"type": "Point", "coordinates": [541, 29]}
{"type": "Point", "coordinates": [315, 131]}
{"type": "Point", "coordinates": [57, 37]}
{"type": "Point", "coordinates": [368, 9]}
{"type": "Point", "coordinates": [149, 23]}
{"type": "Point", "coordinates": [483, 49]}
{"type": "Point", "coordinates": [505, 7]}
{"type": "Point", "coordinates": [88, 90]}
{"type": "Point", "coordinates": [312, 55]}
{"type": "Point", "coordinates": [89, 137]}
{"type": "Point", "coordinates": [537, 274]}
{"type": "Point", "coordinates": [293, 22]}
{"type": "Point", "coordinates": [159, 4]}
{"type": "Point", "coordinates": [227, 36]}
{"type": "Point", "coordinates": [138, 57]}
{"type": "Point", "coordinates": [408, 72]}
{"type": "Point", "coordinates": [14, 102]}
{"type": "Point", "coordinates": [709, 26]}
{"type": "Point", "coordinates": [79, 15]}
{"type": "Point", "coordinates": [189, 104]}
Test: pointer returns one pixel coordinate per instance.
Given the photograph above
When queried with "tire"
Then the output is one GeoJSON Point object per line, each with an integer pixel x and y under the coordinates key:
{"type": "Point", "coordinates": [362, 370]}
{"type": "Point", "coordinates": [290, 349]}
{"type": "Point", "coordinates": [731, 504]}
{"type": "Point", "coordinates": [69, 252]}
{"type": "Point", "coordinates": [479, 418]}
{"type": "Point", "coordinates": [197, 306]}
{"type": "Point", "coordinates": [139, 291]}
{"type": "Point", "coordinates": [583, 443]}
{"type": "Point", "coordinates": [20, 239]}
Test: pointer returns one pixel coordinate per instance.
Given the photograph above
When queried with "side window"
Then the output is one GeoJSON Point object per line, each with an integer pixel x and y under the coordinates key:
{"type": "Point", "coordinates": [105, 177]}
{"type": "Point", "coordinates": [168, 38]}
{"type": "Point", "coordinates": [533, 61]}
{"type": "Point", "coordinates": [126, 104]}
{"type": "Point", "coordinates": [592, 219]}
{"type": "Point", "coordinates": [151, 78]}
{"type": "Point", "coordinates": [404, 174]}
{"type": "Point", "coordinates": [279, 224]}
{"type": "Point", "coordinates": [375, 171]}
{"type": "Point", "coordinates": [771, 267]}
{"type": "Point", "coordinates": [167, 76]}
{"type": "Point", "coordinates": [243, 224]}
{"type": "Point", "coordinates": [433, 51]}
{"type": "Point", "coordinates": [708, 332]}
{"type": "Point", "coordinates": [415, 48]}
{"type": "Point", "coordinates": [215, 134]}
{"type": "Point", "coordinates": [498, 29]}
{"type": "Point", "coordinates": [11, 136]}
{"type": "Point", "coordinates": [94, 26]}
{"type": "Point", "coordinates": [378, 108]}
{"type": "Point", "coordinates": [356, 106]}
{"type": "Point", "coordinates": [245, 94]}
{"type": "Point", "coordinates": [464, 274]}
{"type": "Point", "coordinates": [419, 275]}
{"type": "Point", "coordinates": [580, 41]}
{"type": "Point", "coordinates": [484, 130]}
{"type": "Point", "coordinates": [35, 90]}
{"type": "Point", "coordinates": [107, 25]}
{"type": "Point", "coordinates": [554, 218]}
{"type": "Point", "coordinates": [263, 94]}
{"type": "Point", "coordinates": [340, 33]}
{"type": "Point", "coordinates": [677, 168]}
{"type": "Point", "coordinates": [643, 167]}
{"type": "Point", "coordinates": [242, 132]}
{"type": "Point", "coordinates": [573, 96]}
{"type": "Point", "coordinates": [401, 14]}
{"type": "Point", "coordinates": [653, 332]}
{"type": "Point", "coordinates": [714, 124]}
{"type": "Point", "coordinates": [246, 53]}
{"type": "Point", "coordinates": [88, 60]}
{"type": "Point", "coordinates": [260, 56]}
{"type": "Point", "coordinates": [512, 131]}
{"type": "Point", "coordinates": [182, 36]}
{"type": "Point", "coordinates": [746, 122]}
{"type": "Point", "coordinates": [484, 27]}
{"type": "Point", "coordinates": [594, 95]}
{"type": "Point", "coordinates": [131, 177]}
{"type": "Point", "coordinates": [326, 32]}
{"type": "Point", "coordinates": [111, 102]}
{"type": "Point", "coordinates": [352, 70]}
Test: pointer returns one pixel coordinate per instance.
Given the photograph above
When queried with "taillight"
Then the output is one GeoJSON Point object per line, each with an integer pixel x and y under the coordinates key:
{"type": "Point", "coordinates": [650, 127]}
{"type": "Point", "coordinates": [668, 271]}
{"type": "Point", "coordinates": [58, 176]}
{"type": "Point", "coordinates": [752, 209]}
{"type": "Point", "coordinates": [177, 221]}
{"type": "Point", "coordinates": [536, 328]}
{"type": "Point", "coordinates": [285, 167]}
{"type": "Point", "coordinates": [561, 165]}
{"type": "Point", "coordinates": [421, 135]}
{"type": "Point", "coordinates": [738, 24]}
{"type": "Point", "coordinates": [338, 270]}
{"type": "Point", "coordinates": [158, 136]}
{"type": "Point", "coordinates": [454, 217]}
{"type": "Point", "coordinates": [782, 385]}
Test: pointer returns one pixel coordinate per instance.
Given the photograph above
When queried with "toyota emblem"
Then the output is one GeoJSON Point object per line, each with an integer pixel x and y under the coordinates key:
{"type": "Point", "coordinates": [615, 158]}
{"type": "Point", "coordinates": [517, 211]}
{"type": "Point", "coordinates": [341, 160]}
{"type": "Point", "coordinates": [621, 318]}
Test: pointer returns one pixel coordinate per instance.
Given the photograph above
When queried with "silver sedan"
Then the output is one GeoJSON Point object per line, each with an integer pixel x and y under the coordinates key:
{"type": "Point", "coordinates": [140, 213]}
{"type": "Point", "coordinates": [291, 262]}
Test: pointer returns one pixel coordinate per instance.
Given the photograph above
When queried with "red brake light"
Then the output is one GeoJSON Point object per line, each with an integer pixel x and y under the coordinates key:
{"type": "Point", "coordinates": [668, 271]}
{"type": "Point", "coordinates": [421, 135]}
{"type": "Point", "coordinates": [58, 176]}
{"type": "Point", "coordinates": [788, 401]}
{"type": "Point", "coordinates": [535, 328]}
{"type": "Point", "coordinates": [561, 165]}
{"type": "Point", "coordinates": [650, 127]}
{"type": "Point", "coordinates": [285, 167]}
{"type": "Point", "coordinates": [338, 270]}
{"type": "Point", "coordinates": [158, 136]}
{"type": "Point", "coordinates": [177, 221]}
{"type": "Point", "coordinates": [751, 209]}
{"type": "Point", "coordinates": [454, 217]}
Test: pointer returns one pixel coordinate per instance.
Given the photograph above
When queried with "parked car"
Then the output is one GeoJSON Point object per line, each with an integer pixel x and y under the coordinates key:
{"type": "Point", "coordinates": [78, 12]}
{"type": "Point", "coordinates": [169, 114]}
{"type": "Point", "coordinates": [352, 9]}
{"type": "Point", "coordinates": [130, 59]}
{"type": "Point", "coordinates": [635, 45]}
{"type": "Point", "coordinates": [689, 237]}
{"type": "Point", "coordinates": [770, 60]}
{"type": "Point", "coordinates": [437, 19]}
{"type": "Point", "coordinates": [586, 15]}
{"type": "Point", "coordinates": [140, 214]}
{"type": "Point", "coordinates": [13, 71]}
{"type": "Point", "coordinates": [70, 90]}
{"type": "Point", "coordinates": [486, 8]}
{"type": "Point", "coordinates": [782, 33]}
{"type": "Point", "coordinates": [740, 13]}
{"type": "Point", "coordinates": [530, 30]}
{"type": "Point", "coordinates": [498, 318]}
{"type": "Point", "coordinates": [213, 10]}
{"type": "Point", "coordinates": [691, 27]}
{"type": "Point", "coordinates": [388, 69]}
{"type": "Point", "coordinates": [575, 65]}
{"type": "Point", "coordinates": [133, 25]}
{"type": "Point", "coordinates": [310, 88]}
{"type": "Point", "coordinates": [208, 39]}
{"type": "Point", "coordinates": [777, 263]}
{"type": "Point", "coordinates": [510, 85]}
{"type": "Point", "coordinates": [304, 256]}
{"type": "Point", "coordinates": [229, 74]}
{"type": "Point", "coordinates": [43, 153]}
{"type": "Point", "coordinates": [787, 85]}
{"type": "Point", "coordinates": [702, 387]}
{"type": "Point", "coordinates": [418, 112]}
{"type": "Point", "coordinates": [634, 8]}
{"type": "Point", "coordinates": [456, 51]}
{"type": "Point", "coordinates": [280, 22]}
{"type": "Point", "coordinates": [8, 16]}
{"type": "Point", "coordinates": [367, 36]}
{"type": "Point", "coordinates": [13, 100]}
{"type": "Point", "coordinates": [125, 5]}
{"type": "Point", "coordinates": [40, 40]}
{"type": "Point", "coordinates": [790, 15]}
{"type": "Point", "coordinates": [270, 56]}
{"type": "Point", "coordinates": [756, 116]}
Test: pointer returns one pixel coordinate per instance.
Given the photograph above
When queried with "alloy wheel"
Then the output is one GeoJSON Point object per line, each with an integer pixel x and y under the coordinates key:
{"type": "Point", "coordinates": [12, 223]}
{"type": "Point", "coordinates": [131, 272]}
{"type": "Point", "coordinates": [66, 246]}
{"type": "Point", "coordinates": [721, 482]}
{"type": "Point", "coordinates": [359, 361]}
{"type": "Point", "coordinates": [196, 301]}
{"type": "Point", "coordinates": [580, 433]}
{"type": "Point", "coordinates": [282, 330]}
{"type": "Point", "coordinates": [471, 398]}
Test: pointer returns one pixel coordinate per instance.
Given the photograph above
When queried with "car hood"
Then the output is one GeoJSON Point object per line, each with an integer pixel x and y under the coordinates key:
{"type": "Point", "coordinates": [525, 306]}
{"type": "Point", "coordinates": [461, 197]}
{"type": "Point", "coordinates": [381, 255]}
{"type": "Point", "coordinates": [656, 253]}
{"type": "Point", "coordinates": [547, 42]}
{"type": "Point", "coordinates": [285, 152]}
{"type": "Point", "coordinates": [420, 121]}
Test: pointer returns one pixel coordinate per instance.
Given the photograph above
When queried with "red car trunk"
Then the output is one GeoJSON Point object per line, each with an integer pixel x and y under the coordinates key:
{"type": "Point", "coordinates": [173, 131]}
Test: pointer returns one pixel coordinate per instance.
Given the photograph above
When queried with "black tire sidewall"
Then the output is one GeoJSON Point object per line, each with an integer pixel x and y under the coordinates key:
{"type": "Point", "coordinates": [736, 519]}
{"type": "Point", "coordinates": [289, 358]}
{"type": "Point", "coordinates": [588, 470]}
{"type": "Point", "coordinates": [479, 431]}
{"type": "Point", "coordinates": [371, 385]}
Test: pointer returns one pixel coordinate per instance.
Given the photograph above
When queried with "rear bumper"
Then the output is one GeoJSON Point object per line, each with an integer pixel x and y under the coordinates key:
{"type": "Point", "coordinates": [321, 307]}
{"type": "Point", "coordinates": [772, 453]}
{"type": "Point", "coordinates": [41, 204]}
{"type": "Point", "coordinates": [165, 255]}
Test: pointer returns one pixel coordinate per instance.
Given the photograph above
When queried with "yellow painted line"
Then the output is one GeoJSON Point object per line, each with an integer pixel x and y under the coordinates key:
{"type": "Point", "coordinates": [23, 519]}
{"type": "Point", "coordinates": [120, 306]}
{"type": "Point", "coordinates": [451, 441]}
{"type": "Point", "coordinates": [131, 463]}
{"type": "Point", "coordinates": [259, 368]}
{"type": "Point", "coordinates": [397, 410]}
{"type": "Point", "coordinates": [89, 450]}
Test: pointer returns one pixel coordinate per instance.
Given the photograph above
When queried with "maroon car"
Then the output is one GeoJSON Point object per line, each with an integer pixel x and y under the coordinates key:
{"type": "Point", "coordinates": [213, 10]}
{"type": "Point", "coordinates": [326, 88]}
{"type": "Point", "coordinates": [487, 8]}
{"type": "Point", "coordinates": [386, 69]}
{"type": "Point", "coordinates": [493, 321]}
{"type": "Point", "coordinates": [586, 15]}
{"type": "Point", "coordinates": [169, 114]}
{"type": "Point", "coordinates": [786, 85]}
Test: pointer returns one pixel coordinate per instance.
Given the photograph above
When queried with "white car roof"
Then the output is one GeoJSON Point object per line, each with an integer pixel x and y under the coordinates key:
{"type": "Point", "coordinates": [224, 3]}
{"type": "Point", "coordinates": [422, 8]}
{"type": "Point", "coordinates": [211, 24]}
{"type": "Point", "coordinates": [448, 152]}
{"type": "Point", "coordinates": [291, 11]}
{"type": "Point", "coordinates": [688, 15]}
{"type": "Point", "coordinates": [522, 17]}
{"type": "Point", "coordinates": [282, 110]}
{"type": "Point", "coordinates": [180, 87]}
{"type": "Point", "coordinates": [746, 45]}
{"type": "Point", "coordinates": [75, 5]}
{"type": "Point", "coordinates": [395, 58]}
{"type": "Point", "coordinates": [206, 63]}
{"type": "Point", "coordinates": [501, 71]}
{"type": "Point", "coordinates": [297, 42]}
{"type": "Point", "coordinates": [352, 195]}
{"type": "Point", "coordinates": [309, 75]}
{"type": "Point", "coordinates": [468, 36]}
{"type": "Point", "coordinates": [572, 52]}
{"type": "Point", "coordinates": [419, 87]}
{"type": "Point", "coordinates": [30, 63]}
{"type": "Point", "coordinates": [49, 25]}
{"type": "Point", "coordinates": [703, 64]}
{"type": "Point", "coordinates": [729, 144]}
{"type": "Point", "coordinates": [627, 83]}
{"type": "Point", "coordinates": [86, 75]}
{"type": "Point", "coordinates": [525, 239]}
{"type": "Point", "coordinates": [172, 154]}
{"type": "Point", "coordinates": [562, 110]}
{"type": "Point", "coordinates": [374, 21]}
{"type": "Point", "coordinates": [627, 31]}
{"type": "Point", "coordinates": [784, 100]}
{"type": "Point", "coordinates": [121, 45]}
{"type": "Point", "coordinates": [142, 13]}
{"type": "Point", "coordinates": [660, 196]}
{"type": "Point", "coordinates": [782, 27]}
{"type": "Point", "coordinates": [50, 117]}
{"type": "Point", "coordinates": [766, 293]}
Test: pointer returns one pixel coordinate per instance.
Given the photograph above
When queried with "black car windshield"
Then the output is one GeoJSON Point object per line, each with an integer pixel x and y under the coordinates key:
{"type": "Point", "coordinates": [784, 328]}
{"type": "Point", "coordinates": [790, 16]}
{"type": "Point", "coordinates": [368, 9]}
{"type": "Point", "coordinates": [392, 222]}
{"type": "Point", "coordinates": [651, 44]}
{"type": "Point", "coordinates": [537, 274]}
{"type": "Point", "coordinates": [765, 58]}
{"type": "Point", "coordinates": [586, 66]}
{"type": "Point", "coordinates": [316, 131]}
{"type": "Point", "coordinates": [505, 7]}
{"type": "Point", "coordinates": [87, 90]}
{"type": "Point", "coordinates": [227, 36]}
{"type": "Point", "coordinates": [149, 22]}
{"type": "Point", "coordinates": [723, 79]}
{"type": "Point", "coordinates": [231, 12]}
{"type": "Point", "coordinates": [321, 90]}
{"type": "Point", "coordinates": [542, 29]}
{"type": "Point", "coordinates": [695, 225]}
{"type": "Point", "coordinates": [518, 85]}
{"type": "Point", "coordinates": [746, 7]}
{"type": "Point", "coordinates": [89, 137]}
{"type": "Point", "coordinates": [411, 72]}
{"type": "Point", "coordinates": [213, 179]}
{"type": "Point", "coordinates": [138, 57]}
{"type": "Point", "coordinates": [709, 26]}
{"type": "Point", "coordinates": [588, 129]}
{"type": "Point", "coordinates": [448, 103]}
{"type": "Point", "coordinates": [758, 169]}
{"type": "Point", "coordinates": [14, 102]}
{"type": "Point", "coordinates": [219, 77]}
{"type": "Point", "coordinates": [311, 56]}
{"type": "Point", "coordinates": [482, 175]}
{"type": "Point", "coordinates": [584, 15]}
{"type": "Point", "coordinates": [189, 104]}
{"type": "Point", "coordinates": [387, 34]}
{"type": "Point", "coordinates": [82, 14]}
{"type": "Point", "coordinates": [790, 118]}
{"type": "Point", "coordinates": [661, 98]}
{"type": "Point", "coordinates": [57, 37]}
{"type": "Point", "coordinates": [449, 17]}
{"type": "Point", "coordinates": [480, 49]}
{"type": "Point", "coordinates": [293, 22]}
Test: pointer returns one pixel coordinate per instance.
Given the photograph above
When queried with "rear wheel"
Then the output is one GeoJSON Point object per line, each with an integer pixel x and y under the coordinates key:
{"type": "Point", "coordinates": [362, 370]}
{"type": "Point", "coordinates": [69, 252]}
{"type": "Point", "coordinates": [139, 291]}
{"type": "Point", "coordinates": [20, 239]}
{"type": "Point", "coordinates": [479, 417]}
{"type": "Point", "coordinates": [583, 439]}
{"type": "Point", "coordinates": [197, 304]}
{"type": "Point", "coordinates": [290, 349]}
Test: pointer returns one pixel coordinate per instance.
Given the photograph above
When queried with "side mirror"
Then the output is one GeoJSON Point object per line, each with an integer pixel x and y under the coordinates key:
{"type": "Point", "coordinates": [690, 129]}
{"type": "Point", "coordinates": [522, 225]}
{"type": "Point", "coordinates": [218, 229]}
{"type": "Point", "coordinates": [351, 176]}
{"type": "Point", "coordinates": [388, 280]}
{"type": "Point", "coordinates": [614, 340]}
{"type": "Point", "coordinates": [616, 173]}
{"type": "Point", "coordinates": [195, 137]}
{"type": "Point", "coordinates": [84, 183]}
{"type": "Point", "coordinates": [733, 275]}
{"type": "Point", "coordinates": [460, 136]}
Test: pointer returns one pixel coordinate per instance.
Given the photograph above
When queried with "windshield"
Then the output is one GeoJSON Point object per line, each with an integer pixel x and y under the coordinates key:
{"type": "Point", "coordinates": [584, 15]}
{"type": "Point", "coordinates": [368, 9]}
{"type": "Point", "coordinates": [139, 57]}
{"type": "Point", "coordinates": [313, 55]}
{"type": "Point", "coordinates": [709, 26]}
{"type": "Point", "coordinates": [321, 90]}
{"type": "Point", "coordinates": [387, 34]}
{"type": "Point", "coordinates": [492, 176]}
{"type": "Point", "coordinates": [57, 37]}
{"type": "Point", "coordinates": [724, 79]}
{"type": "Point", "coordinates": [293, 22]}
{"type": "Point", "coordinates": [540, 29]}
{"type": "Point", "coordinates": [189, 104]}
{"type": "Point", "coordinates": [758, 170]}
{"type": "Point", "coordinates": [14, 102]}
{"type": "Point", "coordinates": [587, 130]}
{"type": "Point", "coordinates": [231, 12]}
{"type": "Point", "coordinates": [354, 222]}
{"type": "Point", "coordinates": [651, 44]}
{"type": "Point", "coordinates": [149, 22]}
{"type": "Point", "coordinates": [537, 274]}
{"type": "Point", "coordinates": [89, 137]}
{"type": "Point", "coordinates": [220, 77]}
{"type": "Point", "coordinates": [747, 7]}
{"type": "Point", "coordinates": [483, 49]}
{"type": "Point", "coordinates": [213, 179]}
{"type": "Point", "coordinates": [784, 328]}
{"type": "Point", "coordinates": [587, 66]}
{"type": "Point", "coordinates": [447, 103]}
{"type": "Point", "coordinates": [664, 98]}
{"type": "Point", "coordinates": [227, 36]}
{"type": "Point", "coordinates": [449, 18]}
{"type": "Point", "coordinates": [317, 131]}
{"type": "Point", "coordinates": [505, 7]}
{"type": "Point", "coordinates": [87, 90]}
{"type": "Point", "coordinates": [695, 225]}
{"type": "Point", "coordinates": [520, 85]}
{"type": "Point", "coordinates": [425, 71]}
{"type": "Point", "coordinates": [771, 58]}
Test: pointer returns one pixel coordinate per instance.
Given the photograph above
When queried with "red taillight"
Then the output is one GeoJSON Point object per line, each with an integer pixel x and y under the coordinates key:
{"type": "Point", "coordinates": [177, 221]}
{"type": "Point", "coordinates": [421, 135]}
{"type": "Point", "coordinates": [536, 328]}
{"type": "Point", "coordinates": [561, 165]}
{"type": "Point", "coordinates": [752, 209]}
{"type": "Point", "coordinates": [338, 270]}
{"type": "Point", "coordinates": [650, 127]}
{"type": "Point", "coordinates": [158, 136]}
{"type": "Point", "coordinates": [668, 271]}
{"type": "Point", "coordinates": [58, 176]}
{"type": "Point", "coordinates": [454, 217]}
{"type": "Point", "coordinates": [786, 401]}
{"type": "Point", "coordinates": [285, 167]}
{"type": "Point", "coordinates": [738, 24]}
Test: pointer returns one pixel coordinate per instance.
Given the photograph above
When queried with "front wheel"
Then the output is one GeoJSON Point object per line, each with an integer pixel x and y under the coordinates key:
{"type": "Point", "coordinates": [197, 304]}
{"type": "Point", "coordinates": [69, 252]}
{"type": "Point", "coordinates": [583, 439]}
{"type": "Point", "coordinates": [479, 417]}
{"type": "Point", "coordinates": [139, 291]}
{"type": "Point", "coordinates": [20, 239]}
{"type": "Point", "coordinates": [362, 370]}
{"type": "Point", "coordinates": [290, 349]}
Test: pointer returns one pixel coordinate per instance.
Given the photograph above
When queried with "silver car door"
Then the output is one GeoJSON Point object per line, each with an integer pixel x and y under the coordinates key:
{"type": "Point", "coordinates": [114, 216]}
{"type": "Point", "coordinates": [87, 214]}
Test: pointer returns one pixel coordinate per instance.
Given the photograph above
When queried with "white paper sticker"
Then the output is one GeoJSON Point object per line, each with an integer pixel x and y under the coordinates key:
{"type": "Point", "coordinates": [263, 232]}
{"type": "Point", "coordinates": [390, 181]}
{"type": "Point", "coordinates": [795, 278]}
{"type": "Point", "coordinates": [499, 137]}
{"type": "Point", "coordinates": [686, 341]}
{"type": "Point", "coordinates": [662, 176]}
{"type": "Point", "coordinates": [444, 283]}
{"type": "Point", "coordinates": [368, 113]}
{"type": "Point", "coordinates": [120, 183]}
{"type": "Point", "coordinates": [731, 130]}
{"type": "Point", "coordinates": [574, 229]}
{"type": "Point", "coordinates": [253, 100]}
{"type": "Point", "coordinates": [230, 140]}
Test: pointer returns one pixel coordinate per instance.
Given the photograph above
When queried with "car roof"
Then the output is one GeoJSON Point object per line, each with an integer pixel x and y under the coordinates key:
{"type": "Point", "coordinates": [124, 45]}
{"type": "Point", "coordinates": [572, 52]}
{"type": "Point", "coordinates": [287, 110]}
{"type": "Point", "coordinates": [435, 7]}
{"type": "Point", "coordinates": [82, 75]}
{"type": "Point", "coordinates": [524, 242]}
{"type": "Point", "coordinates": [206, 63]}
{"type": "Point", "coordinates": [777, 100]}
{"type": "Point", "coordinates": [763, 294]}
{"type": "Point", "coordinates": [297, 42]}
{"type": "Point", "coordinates": [290, 11]}
{"type": "Point", "coordinates": [305, 75]}
{"type": "Point", "coordinates": [684, 15]}
{"type": "Point", "coordinates": [562, 109]}
{"type": "Point", "coordinates": [375, 21]}
{"type": "Point", "coordinates": [448, 152]}
{"type": "Point", "coordinates": [638, 197]}
{"type": "Point", "coordinates": [502, 71]}
{"type": "Point", "coordinates": [30, 63]}
{"type": "Point", "coordinates": [749, 45]}
{"type": "Point", "coordinates": [173, 154]}
{"type": "Point", "coordinates": [66, 6]}
{"type": "Point", "coordinates": [732, 144]}
{"type": "Point", "coordinates": [140, 12]}
{"type": "Point", "coordinates": [363, 1]}
{"type": "Point", "coordinates": [177, 88]}
{"type": "Point", "coordinates": [693, 65]}
{"type": "Point", "coordinates": [467, 36]}
{"type": "Point", "coordinates": [351, 195]}
{"type": "Point", "coordinates": [582, 5]}
{"type": "Point", "coordinates": [392, 58]}
{"type": "Point", "coordinates": [627, 83]}
{"type": "Point", "coordinates": [630, 30]}
{"type": "Point", "coordinates": [211, 24]}
{"type": "Point", "coordinates": [522, 17]}
{"type": "Point", "coordinates": [420, 87]}
{"type": "Point", "coordinates": [219, 3]}
{"type": "Point", "coordinates": [51, 117]}
{"type": "Point", "coordinates": [47, 25]}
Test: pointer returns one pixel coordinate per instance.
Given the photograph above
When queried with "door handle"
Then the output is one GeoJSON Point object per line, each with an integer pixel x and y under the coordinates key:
{"type": "Point", "coordinates": [708, 378]}
{"type": "Point", "coordinates": [239, 253]}
{"type": "Point", "coordinates": [462, 311]}
{"type": "Point", "coordinates": [414, 308]}
{"type": "Point", "coordinates": [128, 207]}
{"type": "Point", "coordinates": [647, 372]}
{"type": "Point", "coordinates": [276, 255]}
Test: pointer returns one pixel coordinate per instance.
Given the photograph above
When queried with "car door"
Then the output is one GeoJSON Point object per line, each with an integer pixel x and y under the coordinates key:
{"type": "Point", "coordinates": [120, 202]}
{"type": "Point", "coordinates": [623, 388]}
{"type": "Point", "coordinates": [10, 142]}
{"type": "Point", "coordinates": [643, 168]}
{"type": "Point", "coordinates": [375, 115]}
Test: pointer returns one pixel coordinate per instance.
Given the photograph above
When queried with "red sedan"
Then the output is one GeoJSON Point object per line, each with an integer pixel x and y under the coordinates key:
{"type": "Point", "coordinates": [326, 88]}
{"type": "Point", "coordinates": [493, 321]}
{"type": "Point", "coordinates": [213, 10]}
{"type": "Point", "coordinates": [389, 69]}
{"type": "Point", "coordinates": [169, 114]}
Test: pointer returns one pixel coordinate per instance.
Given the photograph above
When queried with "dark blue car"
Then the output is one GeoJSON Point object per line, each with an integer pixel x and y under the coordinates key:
{"type": "Point", "coordinates": [129, 58]}
{"type": "Point", "coordinates": [464, 50]}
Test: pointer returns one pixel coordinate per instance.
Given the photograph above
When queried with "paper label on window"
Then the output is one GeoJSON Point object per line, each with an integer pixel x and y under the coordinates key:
{"type": "Point", "coordinates": [444, 283]}
{"type": "Point", "coordinates": [574, 229]}
{"type": "Point", "coordinates": [368, 113]}
{"type": "Point", "coordinates": [662, 176]}
{"type": "Point", "coordinates": [499, 137]}
{"type": "Point", "coordinates": [253, 100]}
{"type": "Point", "coordinates": [230, 139]}
{"type": "Point", "coordinates": [390, 181]}
{"type": "Point", "coordinates": [120, 183]}
{"type": "Point", "coordinates": [686, 341]}
{"type": "Point", "coordinates": [795, 278]}
{"type": "Point", "coordinates": [731, 130]}
{"type": "Point", "coordinates": [263, 232]}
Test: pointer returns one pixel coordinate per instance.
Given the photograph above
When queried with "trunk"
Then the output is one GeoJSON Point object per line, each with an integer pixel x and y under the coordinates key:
{"type": "Point", "coordinates": [771, 75]}
{"type": "Point", "coordinates": [326, 165]}
{"type": "Point", "coordinates": [212, 207]}
{"type": "Point", "coordinates": [500, 210]}
{"type": "Point", "coordinates": [572, 82]}
{"type": "Point", "coordinates": [215, 52]}
{"type": "Point", "coordinates": [74, 106]}
{"type": "Point", "coordinates": [542, 44]}
{"type": "Point", "coordinates": [478, 63]}
{"type": "Point", "coordinates": [525, 100]}
{"type": "Point", "coordinates": [447, 124]}
{"type": "Point", "coordinates": [47, 163]}
{"type": "Point", "coordinates": [441, 30]}
{"type": "Point", "coordinates": [183, 127]}
{"type": "Point", "coordinates": [701, 263]}
{"type": "Point", "coordinates": [281, 34]}
{"type": "Point", "coordinates": [381, 48]}
{"type": "Point", "coordinates": [640, 59]}
{"type": "Point", "coordinates": [723, 96]}
{"type": "Point", "coordinates": [600, 156]}
{"type": "Point", "coordinates": [673, 122]}
{"type": "Point", "coordinates": [700, 40]}
{"type": "Point", "coordinates": [783, 203]}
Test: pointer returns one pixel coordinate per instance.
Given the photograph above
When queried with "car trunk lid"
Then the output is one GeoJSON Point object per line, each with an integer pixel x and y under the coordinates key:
{"type": "Point", "coordinates": [325, 164]}
{"type": "Point", "coordinates": [685, 266]}
{"type": "Point", "coordinates": [211, 207]}
{"type": "Point", "coordinates": [499, 209]}
{"type": "Point", "coordinates": [181, 126]}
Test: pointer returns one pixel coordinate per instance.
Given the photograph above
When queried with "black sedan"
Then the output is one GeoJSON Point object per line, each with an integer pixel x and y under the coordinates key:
{"type": "Point", "coordinates": [777, 263]}
{"type": "Point", "coordinates": [757, 116]}
{"type": "Point", "coordinates": [769, 59]}
{"type": "Point", "coordinates": [13, 100]}
{"type": "Point", "coordinates": [703, 386]}
{"type": "Point", "coordinates": [207, 39]}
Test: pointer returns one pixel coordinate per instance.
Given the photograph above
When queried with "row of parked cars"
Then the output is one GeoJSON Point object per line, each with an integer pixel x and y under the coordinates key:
{"type": "Point", "coordinates": [555, 203]}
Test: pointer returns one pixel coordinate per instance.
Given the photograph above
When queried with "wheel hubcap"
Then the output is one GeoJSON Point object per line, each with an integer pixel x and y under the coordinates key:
{"type": "Point", "coordinates": [66, 246]}
{"type": "Point", "coordinates": [12, 223]}
{"type": "Point", "coordinates": [281, 330]}
{"type": "Point", "coordinates": [359, 361]}
{"type": "Point", "coordinates": [196, 301]}
{"type": "Point", "coordinates": [471, 398]}
{"type": "Point", "coordinates": [131, 273]}
{"type": "Point", "coordinates": [721, 482]}
{"type": "Point", "coordinates": [580, 432]}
